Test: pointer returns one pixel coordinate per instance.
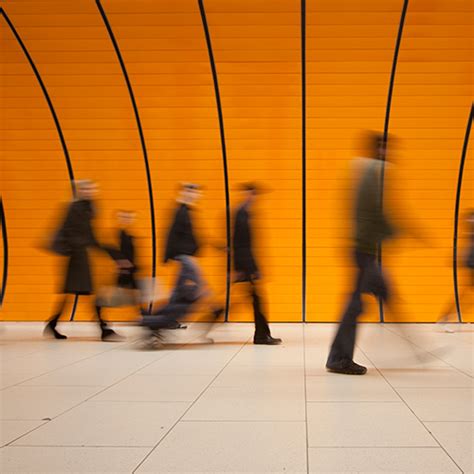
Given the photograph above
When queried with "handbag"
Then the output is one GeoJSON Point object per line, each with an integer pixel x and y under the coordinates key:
{"type": "Point", "coordinates": [59, 243]}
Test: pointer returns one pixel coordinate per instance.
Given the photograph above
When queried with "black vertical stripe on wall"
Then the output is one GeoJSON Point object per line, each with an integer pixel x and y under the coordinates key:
{"type": "Point", "coordinates": [140, 131]}
{"type": "Point", "coordinates": [387, 120]}
{"type": "Point", "coordinates": [53, 113]}
{"type": "Point", "coordinates": [303, 151]}
{"type": "Point", "coordinates": [5, 252]}
{"type": "Point", "coordinates": [224, 153]}
{"type": "Point", "coordinates": [456, 213]}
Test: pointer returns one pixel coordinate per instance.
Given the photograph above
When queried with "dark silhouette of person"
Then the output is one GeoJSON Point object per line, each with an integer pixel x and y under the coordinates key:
{"type": "Point", "coordinates": [245, 265]}
{"type": "Point", "coordinates": [371, 229]}
{"type": "Point", "coordinates": [73, 240]}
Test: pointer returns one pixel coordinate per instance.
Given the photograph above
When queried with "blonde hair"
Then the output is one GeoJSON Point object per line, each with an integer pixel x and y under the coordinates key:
{"type": "Point", "coordinates": [80, 184]}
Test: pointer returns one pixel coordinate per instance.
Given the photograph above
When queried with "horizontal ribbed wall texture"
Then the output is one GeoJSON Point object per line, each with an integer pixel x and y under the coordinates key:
{"type": "Point", "coordinates": [257, 52]}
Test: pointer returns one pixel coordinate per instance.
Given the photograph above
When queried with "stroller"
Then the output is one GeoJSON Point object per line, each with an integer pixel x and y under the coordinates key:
{"type": "Point", "coordinates": [187, 291]}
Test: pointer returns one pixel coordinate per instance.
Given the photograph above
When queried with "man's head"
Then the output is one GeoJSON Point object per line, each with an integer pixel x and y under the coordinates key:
{"type": "Point", "coordinates": [190, 193]}
{"type": "Point", "coordinates": [373, 145]}
{"type": "Point", "coordinates": [86, 189]}
{"type": "Point", "coordinates": [379, 146]}
{"type": "Point", "coordinates": [250, 192]}
{"type": "Point", "coordinates": [125, 218]}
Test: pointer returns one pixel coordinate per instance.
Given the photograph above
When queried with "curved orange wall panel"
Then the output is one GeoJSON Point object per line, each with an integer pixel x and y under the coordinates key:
{"type": "Point", "coordinates": [431, 104]}
{"type": "Point", "coordinates": [34, 180]}
{"type": "Point", "coordinates": [349, 59]}
{"type": "Point", "coordinates": [257, 54]}
{"type": "Point", "coordinates": [164, 48]}
{"type": "Point", "coordinates": [256, 46]}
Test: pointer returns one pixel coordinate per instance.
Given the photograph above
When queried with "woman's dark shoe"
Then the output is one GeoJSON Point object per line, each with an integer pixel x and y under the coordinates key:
{"type": "Point", "coordinates": [50, 330]}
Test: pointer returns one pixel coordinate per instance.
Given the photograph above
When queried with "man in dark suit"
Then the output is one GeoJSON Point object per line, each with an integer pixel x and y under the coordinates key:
{"type": "Point", "coordinates": [245, 264]}
{"type": "Point", "coordinates": [73, 240]}
{"type": "Point", "coordinates": [371, 229]}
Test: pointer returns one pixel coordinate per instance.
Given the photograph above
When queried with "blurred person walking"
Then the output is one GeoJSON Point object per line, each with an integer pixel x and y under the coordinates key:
{"type": "Point", "coordinates": [73, 240]}
{"type": "Point", "coordinates": [182, 246]}
{"type": "Point", "coordinates": [371, 228]}
{"type": "Point", "coordinates": [127, 291]}
{"type": "Point", "coordinates": [245, 264]}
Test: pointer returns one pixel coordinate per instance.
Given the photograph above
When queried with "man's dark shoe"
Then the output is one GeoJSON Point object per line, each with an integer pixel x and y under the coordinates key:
{"type": "Point", "coordinates": [217, 313]}
{"type": "Point", "coordinates": [109, 335]}
{"type": "Point", "coordinates": [267, 340]}
{"type": "Point", "coordinates": [349, 368]}
{"type": "Point", "coordinates": [49, 330]}
{"type": "Point", "coordinates": [176, 325]}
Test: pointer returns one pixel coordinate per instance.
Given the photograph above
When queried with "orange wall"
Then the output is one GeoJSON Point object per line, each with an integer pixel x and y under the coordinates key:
{"type": "Point", "coordinates": [257, 51]}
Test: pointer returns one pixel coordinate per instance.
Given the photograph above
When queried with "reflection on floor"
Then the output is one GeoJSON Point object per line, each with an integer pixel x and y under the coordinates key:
{"type": "Point", "coordinates": [82, 405]}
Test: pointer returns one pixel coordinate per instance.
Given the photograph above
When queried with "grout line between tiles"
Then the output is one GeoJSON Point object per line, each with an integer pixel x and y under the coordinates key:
{"type": "Point", "coordinates": [413, 412]}
{"type": "Point", "coordinates": [305, 399]}
{"type": "Point", "coordinates": [189, 408]}
{"type": "Point", "coordinates": [428, 352]}
{"type": "Point", "coordinates": [94, 394]}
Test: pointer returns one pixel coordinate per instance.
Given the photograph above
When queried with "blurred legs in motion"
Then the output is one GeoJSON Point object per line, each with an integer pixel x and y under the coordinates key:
{"type": "Point", "coordinates": [449, 314]}
{"type": "Point", "coordinates": [369, 279]}
{"type": "Point", "coordinates": [107, 334]}
{"type": "Point", "coordinates": [189, 290]}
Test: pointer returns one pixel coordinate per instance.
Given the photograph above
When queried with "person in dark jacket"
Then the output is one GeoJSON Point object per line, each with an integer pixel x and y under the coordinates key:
{"type": "Point", "coordinates": [77, 236]}
{"type": "Point", "coordinates": [127, 289]}
{"type": "Point", "coordinates": [245, 265]}
{"type": "Point", "coordinates": [181, 239]}
{"type": "Point", "coordinates": [371, 229]}
{"type": "Point", "coordinates": [182, 246]}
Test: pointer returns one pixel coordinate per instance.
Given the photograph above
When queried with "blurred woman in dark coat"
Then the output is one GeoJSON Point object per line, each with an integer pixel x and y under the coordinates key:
{"type": "Point", "coordinates": [245, 265]}
{"type": "Point", "coordinates": [73, 240]}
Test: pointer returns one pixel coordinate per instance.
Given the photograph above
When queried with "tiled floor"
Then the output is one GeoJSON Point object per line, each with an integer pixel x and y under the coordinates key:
{"type": "Point", "coordinates": [85, 406]}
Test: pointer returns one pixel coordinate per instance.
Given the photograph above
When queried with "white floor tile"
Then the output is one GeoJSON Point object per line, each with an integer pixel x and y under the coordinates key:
{"type": "Point", "coordinates": [10, 378]}
{"type": "Point", "coordinates": [401, 358]}
{"type": "Point", "coordinates": [458, 440]}
{"type": "Point", "coordinates": [440, 404]}
{"type": "Point", "coordinates": [37, 403]}
{"type": "Point", "coordinates": [157, 388]}
{"type": "Point", "coordinates": [249, 403]}
{"type": "Point", "coordinates": [68, 460]}
{"type": "Point", "coordinates": [83, 373]}
{"type": "Point", "coordinates": [339, 388]}
{"type": "Point", "coordinates": [423, 378]}
{"type": "Point", "coordinates": [365, 425]}
{"type": "Point", "coordinates": [111, 404]}
{"type": "Point", "coordinates": [283, 355]}
{"type": "Point", "coordinates": [13, 429]}
{"type": "Point", "coordinates": [187, 362]}
{"type": "Point", "coordinates": [380, 460]}
{"type": "Point", "coordinates": [265, 377]}
{"type": "Point", "coordinates": [108, 424]}
{"type": "Point", "coordinates": [219, 447]}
